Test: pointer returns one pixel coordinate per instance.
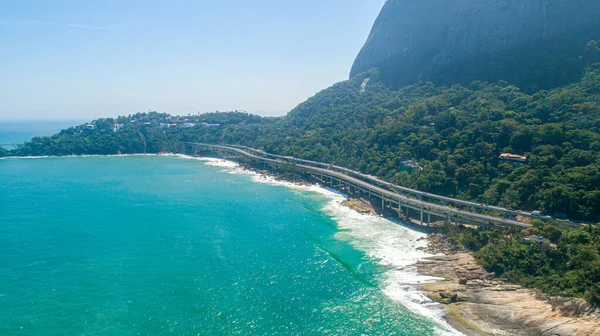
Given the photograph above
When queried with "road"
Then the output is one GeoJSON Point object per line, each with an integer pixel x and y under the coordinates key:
{"type": "Point", "coordinates": [415, 192]}
{"type": "Point", "coordinates": [442, 210]}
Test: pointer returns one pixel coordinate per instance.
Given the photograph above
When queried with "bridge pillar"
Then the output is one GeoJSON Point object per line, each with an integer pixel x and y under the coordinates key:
{"type": "Point", "coordinates": [382, 204]}
{"type": "Point", "coordinates": [428, 219]}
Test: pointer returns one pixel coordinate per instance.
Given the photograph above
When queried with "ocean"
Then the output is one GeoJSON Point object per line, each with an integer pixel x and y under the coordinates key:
{"type": "Point", "coordinates": [153, 245]}
{"type": "Point", "coordinates": [14, 132]}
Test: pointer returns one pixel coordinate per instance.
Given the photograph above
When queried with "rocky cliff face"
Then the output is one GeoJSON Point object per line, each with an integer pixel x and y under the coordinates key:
{"type": "Point", "coordinates": [527, 42]}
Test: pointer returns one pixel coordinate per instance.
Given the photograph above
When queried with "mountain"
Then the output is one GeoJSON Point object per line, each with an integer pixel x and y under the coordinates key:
{"type": "Point", "coordinates": [446, 139]}
{"type": "Point", "coordinates": [525, 42]}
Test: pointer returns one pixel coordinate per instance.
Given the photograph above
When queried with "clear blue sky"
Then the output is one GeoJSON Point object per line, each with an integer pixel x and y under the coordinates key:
{"type": "Point", "coordinates": [79, 59]}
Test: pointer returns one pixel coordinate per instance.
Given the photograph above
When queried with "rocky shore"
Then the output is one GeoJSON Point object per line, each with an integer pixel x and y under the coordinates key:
{"type": "Point", "coordinates": [359, 205]}
{"type": "Point", "coordinates": [476, 302]}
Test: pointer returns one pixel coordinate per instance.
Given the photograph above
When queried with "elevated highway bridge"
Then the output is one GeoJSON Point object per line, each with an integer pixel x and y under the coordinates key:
{"type": "Point", "coordinates": [404, 201]}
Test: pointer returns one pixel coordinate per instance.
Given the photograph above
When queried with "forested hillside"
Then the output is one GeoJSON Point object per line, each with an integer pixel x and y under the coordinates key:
{"type": "Point", "coordinates": [456, 134]}
{"type": "Point", "coordinates": [439, 139]}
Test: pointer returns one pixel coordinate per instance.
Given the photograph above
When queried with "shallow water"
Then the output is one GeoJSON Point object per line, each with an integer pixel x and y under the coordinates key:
{"type": "Point", "coordinates": [169, 245]}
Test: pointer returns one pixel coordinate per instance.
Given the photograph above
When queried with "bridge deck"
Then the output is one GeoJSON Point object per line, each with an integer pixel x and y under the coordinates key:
{"type": "Point", "coordinates": [402, 189]}
{"type": "Point", "coordinates": [386, 195]}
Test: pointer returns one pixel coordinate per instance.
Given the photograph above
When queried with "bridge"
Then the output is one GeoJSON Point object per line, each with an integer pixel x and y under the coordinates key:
{"type": "Point", "coordinates": [403, 190]}
{"type": "Point", "coordinates": [404, 201]}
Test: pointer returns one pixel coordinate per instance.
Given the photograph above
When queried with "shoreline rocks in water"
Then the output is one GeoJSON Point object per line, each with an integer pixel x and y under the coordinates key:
{"type": "Point", "coordinates": [474, 301]}
{"type": "Point", "coordinates": [359, 205]}
{"type": "Point", "coordinates": [477, 303]}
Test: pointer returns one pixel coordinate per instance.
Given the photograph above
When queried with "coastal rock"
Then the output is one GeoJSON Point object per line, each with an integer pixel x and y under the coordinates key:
{"type": "Point", "coordinates": [439, 243]}
{"type": "Point", "coordinates": [359, 205]}
{"type": "Point", "coordinates": [452, 297]}
{"type": "Point", "coordinates": [528, 43]}
{"type": "Point", "coordinates": [570, 306]}
{"type": "Point", "coordinates": [494, 307]}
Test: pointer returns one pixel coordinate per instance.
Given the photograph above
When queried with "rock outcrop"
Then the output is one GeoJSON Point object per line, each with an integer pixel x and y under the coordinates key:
{"type": "Point", "coordinates": [477, 303]}
{"type": "Point", "coordinates": [526, 42]}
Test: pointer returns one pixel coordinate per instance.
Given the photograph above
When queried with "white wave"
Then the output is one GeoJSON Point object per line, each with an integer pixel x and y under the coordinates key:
{"type": "Point", "coordinates": [220, 163]}
{"type": "Point", "coordinates": [24, 157]}
{"type": "Point", "coordinates": [82, 156]}
{"type": "Point", "coordinates": [389, 244]}
{"type": "Point", "coordinates": [397, 248]}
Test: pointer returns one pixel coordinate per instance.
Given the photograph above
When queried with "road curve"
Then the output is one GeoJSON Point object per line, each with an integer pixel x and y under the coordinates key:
{"type": "Point", "coordinates": [484, 219]}
{"type": "Point", "coordinates": [397, 187]}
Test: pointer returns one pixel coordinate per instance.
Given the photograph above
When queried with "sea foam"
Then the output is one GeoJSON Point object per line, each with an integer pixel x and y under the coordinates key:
{"type": "Point", "coordinates": [389, 244]}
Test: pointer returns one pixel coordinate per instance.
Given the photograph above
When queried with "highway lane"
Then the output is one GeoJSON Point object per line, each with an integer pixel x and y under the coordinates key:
{"type": "Point", "coordinates": [400, 188]}
{"type": "Point", "coordinates": [442, 209]}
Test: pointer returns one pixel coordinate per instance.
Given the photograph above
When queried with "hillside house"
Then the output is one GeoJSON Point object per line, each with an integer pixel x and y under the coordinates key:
{"type": "Point", "coordinates": [513, 158]}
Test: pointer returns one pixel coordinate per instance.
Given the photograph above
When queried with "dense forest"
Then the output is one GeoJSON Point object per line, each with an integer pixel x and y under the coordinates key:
{"type": "Point", "coordinates": [567, 263]}
{"type": "Point", "coordinates": [456, 134]}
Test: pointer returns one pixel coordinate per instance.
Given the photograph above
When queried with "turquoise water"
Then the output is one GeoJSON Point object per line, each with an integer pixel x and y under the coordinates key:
{"type": "Point", "coordinates": [150, 245]}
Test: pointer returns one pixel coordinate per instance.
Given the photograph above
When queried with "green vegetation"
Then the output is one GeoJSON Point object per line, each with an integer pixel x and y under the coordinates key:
{"type": "Point", "coordinates": [455, 133]}
{"type": "Point", "coordinates": [139, 133]}
{"type": "Point", "coordinates": [567, 263]}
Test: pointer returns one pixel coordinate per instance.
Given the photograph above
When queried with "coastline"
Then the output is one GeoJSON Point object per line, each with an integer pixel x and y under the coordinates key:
{"type": "Point", "coordinates": [430, 281]}
{"type": "Point", "coordinates": [476, 303]}
{"type": "Point", "coordinates": [86, 155]}
{"type": "Point", "coordinates": [361, 226]}
{"type": "Point", "coordinates": [484, 305]}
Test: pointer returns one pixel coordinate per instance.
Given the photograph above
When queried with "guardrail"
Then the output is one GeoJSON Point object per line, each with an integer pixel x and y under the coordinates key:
{"type": "Point", "coordinates": [421, 194]}
{"type": "Point", "coordinates": [325, 169]}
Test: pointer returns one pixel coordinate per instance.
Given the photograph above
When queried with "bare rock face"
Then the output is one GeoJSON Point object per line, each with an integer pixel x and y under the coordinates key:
{"type": "Point", "coordinates": [526, 42]}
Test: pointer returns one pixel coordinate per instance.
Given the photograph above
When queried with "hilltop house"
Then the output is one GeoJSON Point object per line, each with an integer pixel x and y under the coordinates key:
{"type": "Point", "coordinates": [513, 158]}
{"type": "Point", "coordinates": [203, 124]}
{"type": "Point", "coordinates": [412, 164]}
{"type": "Point", "coordinates": [117, 127]}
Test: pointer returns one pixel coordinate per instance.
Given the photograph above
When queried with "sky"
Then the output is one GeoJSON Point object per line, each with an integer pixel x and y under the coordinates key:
{"type": "Point", "coordinates": [74, 59]}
